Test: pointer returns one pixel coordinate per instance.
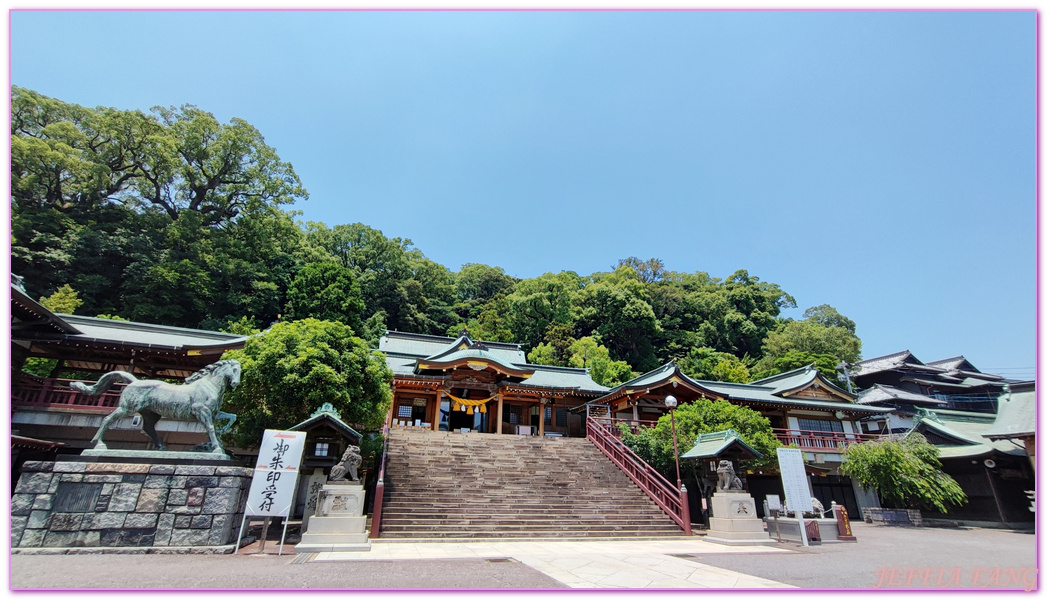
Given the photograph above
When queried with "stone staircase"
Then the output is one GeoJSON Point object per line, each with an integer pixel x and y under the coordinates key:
{"type": "Point", "coordinates": [452, 485]}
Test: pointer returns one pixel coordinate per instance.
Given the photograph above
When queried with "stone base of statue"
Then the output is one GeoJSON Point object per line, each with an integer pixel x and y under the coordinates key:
{"type": "Point", "coordinates": [339, 524]}
{"type": "Point", "coordinates": [129, 501]}
{"type": "Point", "coordinates": [735, 522]}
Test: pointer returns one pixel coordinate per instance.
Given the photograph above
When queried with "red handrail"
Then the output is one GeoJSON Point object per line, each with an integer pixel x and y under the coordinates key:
{"type": "Point", "coordinates": [379, 488]}
{"type": "Point", "coordinates": [822, 441]}
{"type": "Point", "coordinates": [665, 495]}
{"type": "Point", "coordinates": [45, 392]}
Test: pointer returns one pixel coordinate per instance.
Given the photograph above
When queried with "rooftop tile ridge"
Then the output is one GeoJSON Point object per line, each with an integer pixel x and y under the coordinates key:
{"type": "Point", "coordinates": [140, 325]}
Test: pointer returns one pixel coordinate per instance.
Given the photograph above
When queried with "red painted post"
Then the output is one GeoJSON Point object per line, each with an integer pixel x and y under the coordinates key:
{"type": "Point", "coordinates": [686, 510]}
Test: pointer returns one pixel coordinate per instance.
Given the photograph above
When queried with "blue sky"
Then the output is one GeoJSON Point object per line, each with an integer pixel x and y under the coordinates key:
{"type": "Point", "coordinates": [880, 162]}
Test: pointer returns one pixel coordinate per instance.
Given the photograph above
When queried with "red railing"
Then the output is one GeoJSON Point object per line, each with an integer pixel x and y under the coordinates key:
{"type": "Point", "coordinates": [821, 441]}
{"type": "Point", "coordinates": [45, 392]}
{"type": "Point", "coordinates": [604, 435]}
{"type": "Point", "coordinates": [379, 488]}
{"type": "Point", "coordinates": [633, 425]}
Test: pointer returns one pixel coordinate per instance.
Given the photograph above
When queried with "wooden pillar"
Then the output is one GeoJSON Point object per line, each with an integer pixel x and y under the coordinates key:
{"type": "Point", "coordinates": [436, 413]}
{"type": "Point", "coordinates": [636, 411]}
{"type": "Point", "coordinates": [499, 427]}
{"type": "Point", "coordinates": [541, 418]}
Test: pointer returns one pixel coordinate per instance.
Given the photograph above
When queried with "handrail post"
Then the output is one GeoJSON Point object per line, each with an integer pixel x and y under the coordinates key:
{"type": "Point", "coordinates": [686, 505]}
{"type": "Point", "coordinates": [379, 488]}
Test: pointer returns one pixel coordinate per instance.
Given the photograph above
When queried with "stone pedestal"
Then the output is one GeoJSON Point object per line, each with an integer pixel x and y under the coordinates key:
{"type": "Point", "coordinates": [339, 524]}
{"type": "Point", "coordinates": [80, 503]}
{"type": "Point", "coordinates": [734, 521]}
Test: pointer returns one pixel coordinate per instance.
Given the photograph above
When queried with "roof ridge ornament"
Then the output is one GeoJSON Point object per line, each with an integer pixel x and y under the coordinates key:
{"type": "Point", "coordinates": [326, 409]}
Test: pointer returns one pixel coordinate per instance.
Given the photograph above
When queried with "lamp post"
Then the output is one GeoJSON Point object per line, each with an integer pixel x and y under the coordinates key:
{"type": "Point", "coordinates": [670, 403]}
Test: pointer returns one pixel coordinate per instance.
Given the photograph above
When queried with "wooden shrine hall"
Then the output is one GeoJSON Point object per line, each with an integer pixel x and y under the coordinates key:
{"type": "Point", "coordinates": [449, 384]}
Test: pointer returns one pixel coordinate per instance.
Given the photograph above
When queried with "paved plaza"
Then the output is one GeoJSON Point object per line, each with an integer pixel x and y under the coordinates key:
{"type": "Point", "coordinates": [884, 557]}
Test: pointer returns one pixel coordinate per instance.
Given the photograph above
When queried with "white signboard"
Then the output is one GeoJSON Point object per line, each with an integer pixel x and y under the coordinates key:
{"type": "Point", "coordinates": [774, 502]}
{"type": "Point", "coordinates": [794, 479]}
{"type": "Point", "coordinates": [273, 486]}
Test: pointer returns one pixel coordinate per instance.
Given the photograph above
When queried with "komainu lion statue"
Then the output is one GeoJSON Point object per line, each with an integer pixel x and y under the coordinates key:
{"type": "Point", "coordinates": [726, 478]}
{"type": "Point", "coordinates": [348, 464]}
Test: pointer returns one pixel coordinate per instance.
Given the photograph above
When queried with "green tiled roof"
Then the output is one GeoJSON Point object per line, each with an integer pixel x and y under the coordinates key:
{"type": "Point", "coordinates": [711, 445]}
{"type": "Point", "coordinates": [1015, 417]}
{"type": "Point", "coordinates": [132, 333]}
{"type": "Point", "coordinates": [964, 432]}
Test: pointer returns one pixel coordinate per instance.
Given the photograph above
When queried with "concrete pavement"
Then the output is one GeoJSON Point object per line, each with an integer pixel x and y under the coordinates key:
{"type": "Point", "coordinates": [588, 564]}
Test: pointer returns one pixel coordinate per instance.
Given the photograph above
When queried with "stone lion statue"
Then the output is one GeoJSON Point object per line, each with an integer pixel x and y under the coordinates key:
{"type": "Point", "coordinates": [816, 504]}
{"type": "Point", "coordinates": [348, 464]}
{"type": "Point", "coordinates": [726, 478]}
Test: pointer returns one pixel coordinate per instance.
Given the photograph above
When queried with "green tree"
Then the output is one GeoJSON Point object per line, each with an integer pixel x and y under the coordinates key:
{"type": "Point", "coordinates": [327, 292]}
{"type": "Point", "coordinates": [615, 309]}
{"type": "Point", "coordinates": [587, 353]}
{"type": "Point", "coordinates": [541, 302]}
{"type": "Point", "coordinates": [824, 331]}
{"type": "Point", "coordinates": [794, 359]}
{"type": "Point", "coordinates": [65, 300]}
{"type": "Point", "coordinates": [907, 473]}
{"type": "Point", "coordinates": [475, 285]}
{"type": "Point", "coordinates": [655, 444]}
{"type": "Point", "coordinates": [711, 365]}
{"type": "Point", "coordinates": [292, 368]}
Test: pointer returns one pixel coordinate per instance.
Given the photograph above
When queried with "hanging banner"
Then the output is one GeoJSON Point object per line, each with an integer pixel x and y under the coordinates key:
{"type": "Point", "coordinates": [794, 479]}
{"type": "Point", "coordinates": [275, 477]}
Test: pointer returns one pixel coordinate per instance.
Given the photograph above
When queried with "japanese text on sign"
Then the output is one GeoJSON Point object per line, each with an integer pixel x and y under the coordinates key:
{"type": "Point", "coordinates": [272, 491]}
{"type": "Point", "coordinates": [794, 479]}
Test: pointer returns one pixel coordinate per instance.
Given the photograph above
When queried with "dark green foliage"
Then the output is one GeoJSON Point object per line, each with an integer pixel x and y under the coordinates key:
{"type": "Point", "coordinates": [794, 359]}
{"type": "Point", "coordinates": [291, 369]}
{"type": "Point", "coordinates": [907, 473]}
{"type": "Point", "coordinates": [655, 444]}
{"type": "Point", "coordinates": [325, 291]}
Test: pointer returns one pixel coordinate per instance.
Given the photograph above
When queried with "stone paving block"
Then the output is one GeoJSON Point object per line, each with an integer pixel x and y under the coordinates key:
{"type": "Point", "coordinates": [69, 467]}
{"type": "Point", "coordinates": [72, 477]}
{"type": "Point", "coordinates": [103, 520]}
{"type": "Point", "coordinates": [133, 478]}
{"type": "Point", "coordinates": [184, 510]}
{"type": "Point", "coordinates": [33, 483]}
{"type": "Point", "coordinates": [204, 482]}
{"type": "Point", "coordinates": [17, 527]}
{"type": "Point", "coordinates": [157, 481]}
{"type": "Point", "coordinates": [22, 504]}
{"type": "Point", "coordinates": [32, 538]}
{"type": "Point", "coordinates": [196, 496]}
{"type": "Point", "coordinates": [200, 522]}
{"type": "Point", "coordinates": [177, 497]}
{"type": "Point", "coordinates": [151, 500]}
{"type": "Point", "coordinates": [122, 468]}
{"type": "Point", "coordinates": [234, 471]}
{"type": "Point", "coordinates": [38, 519]}
{"type": "Point", "coordinates": [140, 520]}
{"type": "Point", "coordinates": [161, 470]}
{"type": "Point", "coordinates": [183, 521]}
{"type": "Point", "coordinates": [66, 521]}
{"type": "Point", "coordinates": [38, 465]}
{"type": "Point", "coordinates": [196, 470]}
{"type": "Point", "coordinates": [221, 500]}
{"type": "Point", "coordinates": [230, 482]}
{"type": "Point", "coordinates": [59, 539]}
{"type": "Point", "coordinates": [43, 502]}
{"type": "Point", "coordinates": [125, 497]}
{"type": "Point", "coordinates": [88, 538]}
{"type": "Point", "coordinates": [96, 478]}
{"type": "Point", "coordinates": [189, 537]}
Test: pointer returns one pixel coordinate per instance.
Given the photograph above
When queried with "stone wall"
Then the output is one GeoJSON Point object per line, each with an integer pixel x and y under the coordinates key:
{"type": "Point", "coordinates": [134, 505]}
{"type": "Point", "coordinates": [893, 516]}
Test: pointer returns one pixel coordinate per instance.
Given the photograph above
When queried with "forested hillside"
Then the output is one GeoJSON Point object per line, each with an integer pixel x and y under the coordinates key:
{"type": "Point", "coordinates": [172, 217]}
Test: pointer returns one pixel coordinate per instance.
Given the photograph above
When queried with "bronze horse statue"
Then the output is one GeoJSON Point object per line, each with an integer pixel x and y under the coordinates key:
{"type": "Point", "coordinates": [199, 398]}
